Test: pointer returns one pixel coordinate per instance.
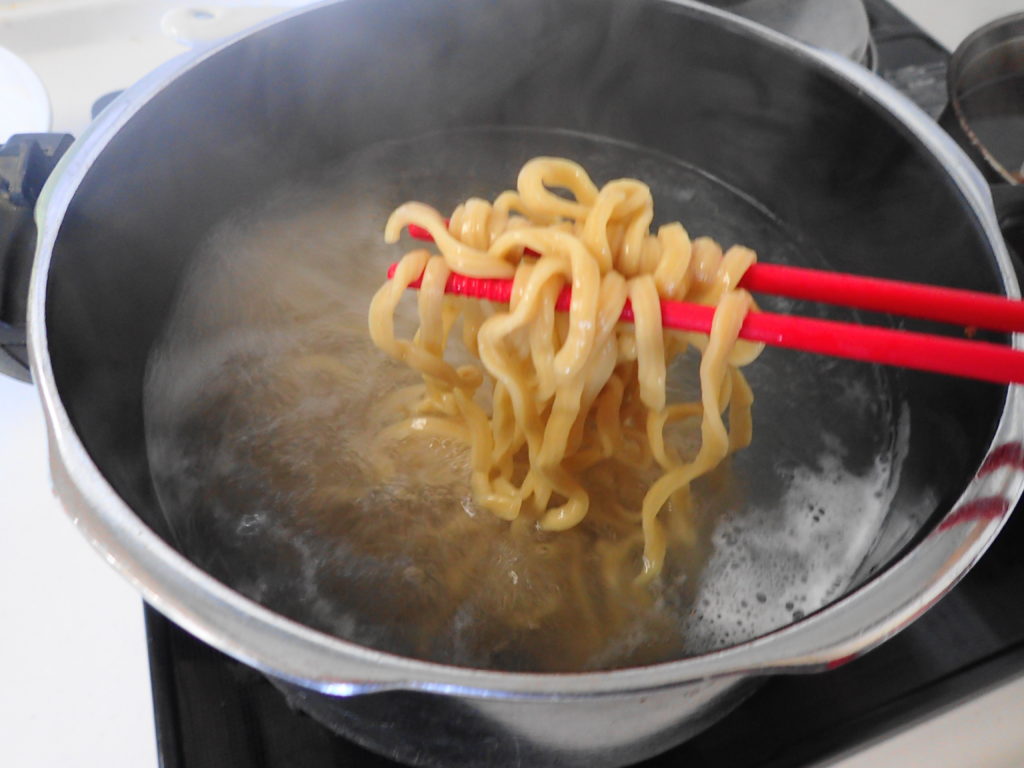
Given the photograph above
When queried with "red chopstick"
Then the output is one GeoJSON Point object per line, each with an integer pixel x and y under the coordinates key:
{"type": "Point", "coordinates": [928, 302]}
{"type": "Point", "coordinates": [907, 349]}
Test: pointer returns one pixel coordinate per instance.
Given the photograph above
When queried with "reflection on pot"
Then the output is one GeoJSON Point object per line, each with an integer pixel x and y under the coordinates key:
{"type": "Point", "coordinates": [840, 26]}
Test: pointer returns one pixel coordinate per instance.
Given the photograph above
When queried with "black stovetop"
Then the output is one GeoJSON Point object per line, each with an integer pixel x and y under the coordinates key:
{"type": "Point", "coordinates": [213, 712]}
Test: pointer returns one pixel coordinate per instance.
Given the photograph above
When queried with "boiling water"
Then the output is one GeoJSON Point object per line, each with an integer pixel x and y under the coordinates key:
{"type": "Point", "coordinates": [265, 400]}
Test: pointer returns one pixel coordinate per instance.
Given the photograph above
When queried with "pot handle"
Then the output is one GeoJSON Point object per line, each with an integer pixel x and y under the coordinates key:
{"type": "Point", "coordinates": [26, 160]}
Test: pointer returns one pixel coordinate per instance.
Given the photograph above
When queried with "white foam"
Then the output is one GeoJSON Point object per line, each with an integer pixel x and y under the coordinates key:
{"type": "Point", "coordinates": [775, 565]}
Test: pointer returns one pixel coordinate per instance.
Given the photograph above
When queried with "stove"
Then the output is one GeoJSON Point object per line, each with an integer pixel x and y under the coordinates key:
{"type": "Point", "coordinates": [211, 712]}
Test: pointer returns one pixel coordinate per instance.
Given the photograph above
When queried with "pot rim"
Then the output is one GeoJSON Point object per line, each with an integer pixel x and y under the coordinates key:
{"type": "Point", "coordinates": [290, 651]}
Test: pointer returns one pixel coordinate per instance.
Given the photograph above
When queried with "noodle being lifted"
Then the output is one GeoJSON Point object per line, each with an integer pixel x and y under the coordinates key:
{"type": "Point", "coordinates": [558, 395]}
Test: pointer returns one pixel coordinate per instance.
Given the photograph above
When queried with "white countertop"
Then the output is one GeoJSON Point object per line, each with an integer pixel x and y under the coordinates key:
{"type": "Point", "coordinates": [74, 682]}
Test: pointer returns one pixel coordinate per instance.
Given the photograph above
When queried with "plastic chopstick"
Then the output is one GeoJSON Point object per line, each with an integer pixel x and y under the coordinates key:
{"type": "Point", "coordinates": [939, 354]}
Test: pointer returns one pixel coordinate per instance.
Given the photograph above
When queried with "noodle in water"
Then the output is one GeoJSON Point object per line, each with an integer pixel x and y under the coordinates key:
{"type": "Point", "coordinates": [556, 396]}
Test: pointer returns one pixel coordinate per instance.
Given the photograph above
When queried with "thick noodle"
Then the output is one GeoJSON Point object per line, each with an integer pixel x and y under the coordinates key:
{"type": "Point", "coordinates": [555, 394]}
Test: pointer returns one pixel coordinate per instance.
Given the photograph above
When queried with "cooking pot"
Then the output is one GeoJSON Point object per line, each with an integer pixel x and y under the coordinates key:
{"type": "Point", "coordinates": [818, 145]}
{"type": "Point", "coordinates": [983, 82]}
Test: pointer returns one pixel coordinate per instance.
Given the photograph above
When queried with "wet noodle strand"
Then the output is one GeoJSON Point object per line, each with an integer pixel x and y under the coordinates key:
{"type": "Point", "coordinates": [552, 395]}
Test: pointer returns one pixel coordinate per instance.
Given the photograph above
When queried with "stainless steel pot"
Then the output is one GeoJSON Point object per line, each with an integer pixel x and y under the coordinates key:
{"type": "Point", "coordinates": [984, 89]}
{"type": "Point", "coordinates": [829, 149]}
